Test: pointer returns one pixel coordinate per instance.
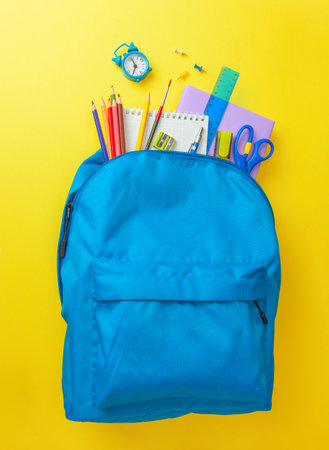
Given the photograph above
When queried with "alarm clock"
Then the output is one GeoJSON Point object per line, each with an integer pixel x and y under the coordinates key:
{"type": "Point", "coordinates": [134, 64]}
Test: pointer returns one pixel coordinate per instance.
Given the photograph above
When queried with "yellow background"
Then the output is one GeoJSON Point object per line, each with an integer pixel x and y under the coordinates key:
{"type": "Point", "coordinates": [56, 58]}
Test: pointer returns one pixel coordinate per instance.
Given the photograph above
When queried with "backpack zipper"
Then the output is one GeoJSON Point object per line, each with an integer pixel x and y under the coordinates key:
{"type": "Point", "coordinates": [261, 312]}
{"type": "Point", "coordinates": [62, 245]}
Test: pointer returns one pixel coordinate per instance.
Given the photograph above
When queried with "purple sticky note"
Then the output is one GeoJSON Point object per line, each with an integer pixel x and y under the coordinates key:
{"type": "Point", "coordinates": [194, 101]}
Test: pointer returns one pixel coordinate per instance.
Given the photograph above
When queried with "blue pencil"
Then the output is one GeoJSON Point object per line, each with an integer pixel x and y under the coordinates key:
{"type": "Point", "coordinates": [99, 132]}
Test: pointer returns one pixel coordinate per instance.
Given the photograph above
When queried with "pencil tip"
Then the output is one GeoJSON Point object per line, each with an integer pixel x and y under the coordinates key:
{"type": "Point", "coordinates": [169, 83]}
{"type": "Point", "coordinates": [148, 97]}
{"type": "Point", "coordinates": [102, 101]}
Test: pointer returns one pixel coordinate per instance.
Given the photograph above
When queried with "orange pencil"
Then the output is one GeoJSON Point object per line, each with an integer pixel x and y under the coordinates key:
{"type": "Point", "coordinates": [121, 125]}
{"type": "Point", "coordinates": [116, 127]}
{"type": "Point", "coordinates": [110, 117]}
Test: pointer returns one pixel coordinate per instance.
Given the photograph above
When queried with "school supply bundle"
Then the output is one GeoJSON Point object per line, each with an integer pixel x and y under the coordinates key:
{"type": "Point", "coordinates": [168, 264]}
{"type": "Point", "coordinates": [182, 127]}
{"type": "Point", "coordinates": [195, 101]}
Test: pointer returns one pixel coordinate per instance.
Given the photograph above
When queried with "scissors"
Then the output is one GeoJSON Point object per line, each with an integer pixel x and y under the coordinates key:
{"type": "Point", "coordinates": [241, 159]}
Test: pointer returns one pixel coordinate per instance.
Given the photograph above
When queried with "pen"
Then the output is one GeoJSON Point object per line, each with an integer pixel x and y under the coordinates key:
{"type": "Point", "coordinates": [157, 118]}
{"type": "Point", "coordinates": [194, 147]}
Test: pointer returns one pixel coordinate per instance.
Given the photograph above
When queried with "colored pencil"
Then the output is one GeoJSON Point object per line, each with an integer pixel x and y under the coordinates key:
{"type": "Point", "coordinates": [116, 128]}
{"type": "Point", "coordinates": [112, 94]}
{"type": "Point", "coordinates": [110, 118]}
{"type": "Point", "coordinates": [157, 118]}
{"type": "Point", "coordinates": [112, 97]}
{"type": "Point", "coordinates": [121, 125]}
{"type": "Point", "coordinates": [143, 123]}
{"type": "Point", "coordinates": [99, 132]}
{"type": "Point", "coordinates": [106, 128]}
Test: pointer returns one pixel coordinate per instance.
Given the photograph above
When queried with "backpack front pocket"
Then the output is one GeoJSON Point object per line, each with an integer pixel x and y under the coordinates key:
{"type": "Point", "coordinates": [178, 331]}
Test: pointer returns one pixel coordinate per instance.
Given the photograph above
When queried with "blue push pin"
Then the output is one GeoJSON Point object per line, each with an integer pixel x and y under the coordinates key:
{"type": "Point", "coordinates": [199, 68]}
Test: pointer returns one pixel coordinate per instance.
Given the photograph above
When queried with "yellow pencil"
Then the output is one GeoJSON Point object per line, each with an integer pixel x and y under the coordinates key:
{"type": "Point", "coordinates": [143, 123]}
{"type": "Point", "coordinates": [106, 128]}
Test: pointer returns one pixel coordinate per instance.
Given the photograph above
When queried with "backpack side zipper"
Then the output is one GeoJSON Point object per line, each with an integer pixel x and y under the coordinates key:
{"type": "Point", "coordinates": [261, 313]}
{"type": "Point", "coordinates": [62, 246]}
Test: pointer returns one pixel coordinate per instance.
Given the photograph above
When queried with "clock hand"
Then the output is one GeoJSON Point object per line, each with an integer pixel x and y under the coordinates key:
{"type": "Point", "coordinates": [135, 65]}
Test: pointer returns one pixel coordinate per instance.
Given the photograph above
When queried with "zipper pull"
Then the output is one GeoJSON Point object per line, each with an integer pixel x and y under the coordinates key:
{"type": "Point", "coordinates": [261, 312]}
{"type": "Point", "coordinates": [62, 246]}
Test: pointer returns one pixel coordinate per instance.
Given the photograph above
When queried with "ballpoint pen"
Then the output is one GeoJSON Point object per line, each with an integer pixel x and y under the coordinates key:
{"type": "Point", "coordinates": [194, 147]}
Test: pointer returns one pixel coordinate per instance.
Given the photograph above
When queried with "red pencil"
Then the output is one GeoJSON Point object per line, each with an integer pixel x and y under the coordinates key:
{"type": "Point", "coordinates": [109, 112]}
{"type": "Point", "coordinates": [116, 128]}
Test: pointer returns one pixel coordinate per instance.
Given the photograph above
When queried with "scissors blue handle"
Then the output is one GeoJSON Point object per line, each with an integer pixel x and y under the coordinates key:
{"type": "Point", "coordinates": [241, 158]}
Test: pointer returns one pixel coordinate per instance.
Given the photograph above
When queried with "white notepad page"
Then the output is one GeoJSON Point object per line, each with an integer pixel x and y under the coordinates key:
{"type": "Point", "coordinates": [182, 127]}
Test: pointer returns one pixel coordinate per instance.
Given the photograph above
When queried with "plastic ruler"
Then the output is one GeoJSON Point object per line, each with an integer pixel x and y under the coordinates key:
{"type": "Point", "coordinates": [218, 100]}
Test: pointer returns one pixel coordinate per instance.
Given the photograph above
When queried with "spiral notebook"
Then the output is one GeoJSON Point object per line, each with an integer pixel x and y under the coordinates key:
{"type": "Point", "coordinates": [181, 126]}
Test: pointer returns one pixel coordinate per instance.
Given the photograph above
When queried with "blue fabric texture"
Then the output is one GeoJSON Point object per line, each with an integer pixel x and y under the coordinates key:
{"type": "Point", "coordinates": [170, 261]}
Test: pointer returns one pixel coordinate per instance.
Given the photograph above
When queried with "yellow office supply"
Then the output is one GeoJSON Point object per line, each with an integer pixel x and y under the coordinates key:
{"type": "Point", "coordinates": [247, 148]}
{"type": "Point", "coordinates": [106, 128]}
{"type": "Point", "coordinates": [223, 144]}
{"type": "Point", "coordinates": [164, 141]}
{"type": "Point", "coordinates": [183, 75]}
{"type": "Point", "coordinates": [143, 123]}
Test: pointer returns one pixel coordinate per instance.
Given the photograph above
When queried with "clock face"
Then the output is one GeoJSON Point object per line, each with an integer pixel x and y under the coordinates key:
{"type": "Point", "coordinates": [135, 65]}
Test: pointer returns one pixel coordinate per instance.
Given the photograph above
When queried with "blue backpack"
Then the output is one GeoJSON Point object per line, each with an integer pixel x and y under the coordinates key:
{"type": "Point", "coordinates": [169, 278]}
